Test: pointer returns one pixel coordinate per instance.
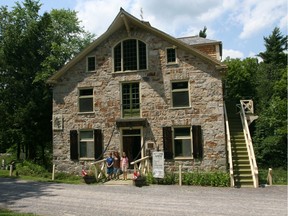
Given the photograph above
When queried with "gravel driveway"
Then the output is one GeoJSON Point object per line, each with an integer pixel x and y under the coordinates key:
{"type": "Point", "coordinates": [53, 199]}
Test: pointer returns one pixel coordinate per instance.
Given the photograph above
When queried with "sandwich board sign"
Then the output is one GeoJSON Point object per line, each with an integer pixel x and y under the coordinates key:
{"type": "Point", "coordinates": [158, 164]}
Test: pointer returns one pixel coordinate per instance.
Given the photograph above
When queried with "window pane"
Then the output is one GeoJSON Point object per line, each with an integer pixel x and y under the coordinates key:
{"type": "Point", "coordinates": [117, 58]}
{"type": "Point", "coordinates": [85, 92]}
{"type": "Point", "coordinates": [180, 99]}
{"type": "Point", "coordinates": [86, 104]}
{"type": "Point", "coordinates": [171, 55]}
{"type": "Point", "coordinates": [182, 148]}
{"type": "Point", "coordinates": [83, 151]}
{"type": "Point", "coordinates": [182, 132]}
{"type": "Point", "coordinates": [130, 100]}
{"type": "Point", "coordinates": [91, 63]}
{"type": "Point", "coordinates": [130, 55]}
{"type": "Point", "coordinates": [86, 135]}
{"type": "Point", "coordinates": [142, 55]}
{"type": "Point", "coordinates": [90, 149]}
{"type": "Point", "coordinates": [179, 85]}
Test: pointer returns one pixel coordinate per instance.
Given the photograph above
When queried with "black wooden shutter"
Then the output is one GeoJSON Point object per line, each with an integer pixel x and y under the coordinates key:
{"type": "Point", "coordinates": [167, 143]}
{"type": "Point", "coordinates": [98, 147]}
{"type": "Point", "coordinates": [74, 145]}
{"type": "Point", "coordinates": [197, 142]}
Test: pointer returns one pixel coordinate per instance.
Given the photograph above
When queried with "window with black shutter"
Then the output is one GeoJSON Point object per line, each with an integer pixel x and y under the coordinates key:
{"type": "Point", "coordinates": [197, 142]}
{"type": "Point", "coordinates": [73, 145]}
{"type": "Point", "coordinates": [167, 143]}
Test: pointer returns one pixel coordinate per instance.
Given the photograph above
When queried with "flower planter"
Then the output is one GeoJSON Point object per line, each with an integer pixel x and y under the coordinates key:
{"type": "Point", "coordinates": [140, 181]}
{"type": "Point", "coordinates": [89, 179]}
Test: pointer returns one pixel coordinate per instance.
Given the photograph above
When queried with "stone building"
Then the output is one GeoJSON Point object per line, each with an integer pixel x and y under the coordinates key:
{"type": "Point", "coordinates": [137, 89]}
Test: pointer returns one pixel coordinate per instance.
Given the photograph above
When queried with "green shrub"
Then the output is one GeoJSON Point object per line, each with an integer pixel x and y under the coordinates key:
{"type": "Point", "coordinates": [279, 176]}
{"type": "Point", "coordinates": [28, 168]}
{"type": "Point", "coordinates": [215, 179]}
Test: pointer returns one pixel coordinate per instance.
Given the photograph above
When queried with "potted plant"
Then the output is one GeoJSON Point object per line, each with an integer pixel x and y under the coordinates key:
{"type": "Point", "coordinates": [89, 176]}
{"type": "Point", "coordinates": [139, 180]}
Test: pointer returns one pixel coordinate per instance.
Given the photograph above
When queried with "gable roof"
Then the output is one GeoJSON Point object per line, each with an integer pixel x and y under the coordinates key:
{"type": "Point", "coordinates": [125, 19]}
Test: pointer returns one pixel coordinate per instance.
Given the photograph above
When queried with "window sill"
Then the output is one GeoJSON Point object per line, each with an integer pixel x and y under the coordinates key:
{"type": "Point", "coordinates": [86, 113]}
{"type": "Point", "coordinates": [184, 158]}
{"type": "Point", "coordinates": [86, 159]}
{"type": "Point", "coordinates": [172, 64]}
{"type": "Point", "coordinates": [129, 71]}
{"type": "Point", "coordinates": [175, 108]}
{"type": "Point", "coordinates": [94, 71]}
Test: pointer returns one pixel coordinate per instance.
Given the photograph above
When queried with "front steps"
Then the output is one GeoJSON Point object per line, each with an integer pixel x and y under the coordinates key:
{"type": "Point", "coordinates": [241, 165]}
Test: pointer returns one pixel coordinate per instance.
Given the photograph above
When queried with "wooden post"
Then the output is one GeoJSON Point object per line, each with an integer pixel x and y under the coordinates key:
{"type": "Point", "coordinates": [269, 176]}
{"type": "Point", "coordinates": [11, 170]}
{"type": "Point", "coordinates": [180, 175]}
{"type": "Point", "coordinates": [53, 172]}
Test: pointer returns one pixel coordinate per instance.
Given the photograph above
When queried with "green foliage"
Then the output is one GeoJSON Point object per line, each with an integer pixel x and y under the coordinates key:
{"type": "Point", "coordinates": [266, 84]}
{"type": "Point", "coordinates": [7, 212]}
{"type": "Point", "coordinates": [28, 168]}
{"type": "Point", "coordinates": [215, 179]}
{"type": "Point", "coordinates": [238, 81]}
{"type": "Point", "coordinates": [32, 48]}
{"type": "Point", "coordinates": [279, 176]}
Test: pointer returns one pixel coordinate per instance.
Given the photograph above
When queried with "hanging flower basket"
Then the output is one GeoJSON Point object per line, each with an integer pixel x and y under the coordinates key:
{"type": "Point", "coordinates": [89, 179]}
{"type": "Point", "coordinates": [88, 176]}
{"type": "Point", "coordinates": [139, 180]}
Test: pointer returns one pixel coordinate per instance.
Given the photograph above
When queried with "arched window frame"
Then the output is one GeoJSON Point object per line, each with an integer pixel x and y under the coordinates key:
{"type": "Point", "coordinates": [124, 58]}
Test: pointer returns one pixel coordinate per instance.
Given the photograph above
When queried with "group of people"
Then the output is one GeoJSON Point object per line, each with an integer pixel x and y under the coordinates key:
{"type": "Point", "coordinates": [117, 165]}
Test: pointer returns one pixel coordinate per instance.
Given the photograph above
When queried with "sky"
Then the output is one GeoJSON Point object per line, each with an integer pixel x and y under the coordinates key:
{"type": "Point", "coordinates": [241, 25]}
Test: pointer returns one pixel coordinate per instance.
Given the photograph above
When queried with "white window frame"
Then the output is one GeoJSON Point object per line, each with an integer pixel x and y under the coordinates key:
{"type": "Point", "coordinates": [122, 60]}
{"type": "Point", "coordinates": [176, 59]}
{"type": "Point", "coordinates": [87, 63]}
{"type": "Point", "coordinates": [85, 97]}
{"type": "Point", "coordinates": [88, 141]}
{"type": "Point", "coordinates": [183, 138]}
{"type": "Point", "coordinates": [180, 90]}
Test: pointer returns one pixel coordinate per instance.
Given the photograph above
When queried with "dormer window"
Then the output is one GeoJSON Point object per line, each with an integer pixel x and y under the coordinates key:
{"type": "Point", "coordinates": [130, 55]}
{"type": "Point", "coordinates": [171, 55]}
{"type": "Point", "coordinates": [91, 63]}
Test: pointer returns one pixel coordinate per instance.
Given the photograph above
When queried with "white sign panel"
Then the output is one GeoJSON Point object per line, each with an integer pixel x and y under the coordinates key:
{"type": "Point", "coordinates": [158, 164]}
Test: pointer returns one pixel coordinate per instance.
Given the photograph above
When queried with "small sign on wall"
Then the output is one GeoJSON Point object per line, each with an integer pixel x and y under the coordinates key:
{"type": "Point", "coordinates": [158, 164]}
{"type": "Point", "coordinates": [57, 123]}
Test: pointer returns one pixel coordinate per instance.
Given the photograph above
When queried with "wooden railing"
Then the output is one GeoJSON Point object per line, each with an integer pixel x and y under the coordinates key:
{"type": "Point", "coordinates": [229, 149]}
{"type": "Point", "coordinates": [246, 106]}
{"type": "Point", "coordinates": [142, 165]}
{"type": "Point", "coordinates": [100, 169]}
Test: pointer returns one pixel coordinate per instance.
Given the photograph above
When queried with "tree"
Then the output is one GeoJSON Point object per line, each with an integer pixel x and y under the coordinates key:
{"type": "Point", "coordinates": [32, 48]}
{"type": "Point", "coordinates": [275, 45]}
{"type": "Point", "coordinates": [270, 136]}
{"type": "Point", "coordinates": [239, 79]}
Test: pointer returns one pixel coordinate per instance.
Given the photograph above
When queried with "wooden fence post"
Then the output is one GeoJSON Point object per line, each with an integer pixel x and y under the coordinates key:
{"type": "Point", "coordinates": [269, 176]}
{"type": "Point", "coordinates": [180, 175]}
{"type": "Point", "coordinates": [11, 170]}
{"type": "Point", "coordinates": [53, 172]}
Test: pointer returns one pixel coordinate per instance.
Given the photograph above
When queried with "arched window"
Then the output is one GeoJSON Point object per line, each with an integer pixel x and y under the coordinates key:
{"type": "Point", "coordinates": [130, 55]}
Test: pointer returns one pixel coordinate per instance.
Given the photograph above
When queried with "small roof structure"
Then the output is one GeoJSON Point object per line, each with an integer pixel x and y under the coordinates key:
{"type": "Point", "coordinates": [125, 19]}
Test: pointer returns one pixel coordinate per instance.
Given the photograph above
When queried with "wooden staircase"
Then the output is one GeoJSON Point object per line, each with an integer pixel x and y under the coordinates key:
{"type": "Point", "coordinates": [241, 165]}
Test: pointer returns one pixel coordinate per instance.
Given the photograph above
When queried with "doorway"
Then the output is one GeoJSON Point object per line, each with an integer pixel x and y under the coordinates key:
{"type": "Point", "coordinates": [131, 140]}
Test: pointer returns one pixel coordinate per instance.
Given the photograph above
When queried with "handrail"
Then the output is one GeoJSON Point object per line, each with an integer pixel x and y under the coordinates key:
{"type": "Point", "coordinates": [230, 161]}
{"type": "Point", "coordinates": [144, 165]}
{"type": "Point", "coordinates": [248, 140]}
{"type": "Point", "coordinates": [100, 168]}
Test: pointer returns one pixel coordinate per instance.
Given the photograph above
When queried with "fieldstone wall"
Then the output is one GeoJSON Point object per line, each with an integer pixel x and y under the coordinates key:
{"type": "Point", "coordinates": [155, 89]}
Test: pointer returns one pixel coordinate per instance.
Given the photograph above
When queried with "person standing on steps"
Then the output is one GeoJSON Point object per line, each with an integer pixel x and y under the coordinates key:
{"type": "Point", "coordinates": [116, 165]}
{"type": "Point", "coordinates": [124, 165]}
{"type": "Point", "coordinates": [109, 164]}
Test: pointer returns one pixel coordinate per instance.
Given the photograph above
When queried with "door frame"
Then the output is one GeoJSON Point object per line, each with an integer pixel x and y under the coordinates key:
{"type": "Point", "coordinates": [141, 140]}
